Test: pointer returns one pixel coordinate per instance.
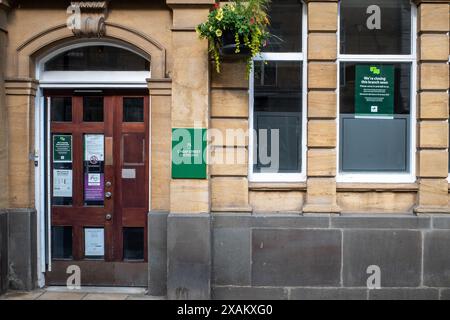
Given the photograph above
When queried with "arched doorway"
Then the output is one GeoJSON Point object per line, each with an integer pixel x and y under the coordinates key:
{"type": "Point", "coordinates": [95, 134]}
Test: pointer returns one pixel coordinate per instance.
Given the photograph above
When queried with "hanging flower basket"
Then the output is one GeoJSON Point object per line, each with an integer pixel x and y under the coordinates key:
{"type": "Point", "coordinates": [230, 50]}
{"type": "Point", "coordinates": [236, 30]}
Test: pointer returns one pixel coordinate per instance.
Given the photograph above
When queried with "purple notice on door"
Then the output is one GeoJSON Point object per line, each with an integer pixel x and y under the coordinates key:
{"type": "Point", "coordinates": [93, 186]}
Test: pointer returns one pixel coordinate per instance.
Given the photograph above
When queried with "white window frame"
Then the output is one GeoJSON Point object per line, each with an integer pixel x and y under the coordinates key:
{"type": "Point", "coordinates": [383, 177]}
{"type": "Point", "coordinates": [282, 56]}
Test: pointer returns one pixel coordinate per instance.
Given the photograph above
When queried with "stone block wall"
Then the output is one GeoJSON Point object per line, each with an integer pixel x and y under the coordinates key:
{"type": "Point", "coordinates": [327, 257]}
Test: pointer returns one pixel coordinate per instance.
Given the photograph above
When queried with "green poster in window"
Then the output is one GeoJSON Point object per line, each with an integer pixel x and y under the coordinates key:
{"type": "Point", "coordinates": [188, 153]}
{"type": "Point", "coordinates": [374, 91]}
{"type": "Point", "coordinates": [62, 148]}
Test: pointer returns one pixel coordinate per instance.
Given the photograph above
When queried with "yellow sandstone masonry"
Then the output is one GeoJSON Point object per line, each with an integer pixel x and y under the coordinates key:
{"type": "Point", "coordinates": [322, 16]}
{"type": "Point", "coordinates": [322, 75]}
{"type": "Point", "coordinates": [432, 170]}
{"type": "Point", "coordinates": [229, 103]}
{"type": "Point", "coordinates": [229, 194]}
{"type": "Point", "coordinates": [322, 133]}
{"type": "Point", "coordinates": [433, 163]}
{"type": "Point", "coordinates": [277, 201]}
{"type": "Point", "coordinates": [191, 95]}
{"type": "Point", "coordinates": [433, 105]}
{"type": "Point", "coordinates": [434, 47]}
{"type": "Point", "coordinates": [433, 134]}
{"type": "Point", "coordinates": [434, 76]}
{"type": "Point", "coordinates": [189, 196]}
{"type": "Point", "coordinates": [229, 161]}
{"type": "Point", "coordinates": [322, 46]}
{"type": "Point", "coordinates": [232, 132]}
{"type": "Point", "coordinates": [321, 162]}
{"type": "Point", "coordinates": [433, 193]}
{"type": "Point", "coordinates": [433, 17]}
{"type": "Point", "coordinates": [322, 104]}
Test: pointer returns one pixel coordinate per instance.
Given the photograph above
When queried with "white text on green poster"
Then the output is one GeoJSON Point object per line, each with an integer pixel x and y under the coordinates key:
{"type": "Point", "coordinates": [374, 91]}
{"type": "Point", "coordinates": [62, 148]}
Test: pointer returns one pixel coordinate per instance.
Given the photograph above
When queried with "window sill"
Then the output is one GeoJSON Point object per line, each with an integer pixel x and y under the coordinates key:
{"type": "Point", "coordinates": [277, 186]}
{"type": "Point", "coordinates": [377, 187]}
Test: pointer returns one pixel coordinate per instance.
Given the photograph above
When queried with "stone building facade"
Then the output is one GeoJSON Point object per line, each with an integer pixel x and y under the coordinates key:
{"type": "Point", "coordinates": [233, 234]}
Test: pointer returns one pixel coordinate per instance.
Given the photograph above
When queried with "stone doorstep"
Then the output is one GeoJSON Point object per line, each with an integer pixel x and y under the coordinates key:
{"type": "Point", "coordinates": [85, 293]}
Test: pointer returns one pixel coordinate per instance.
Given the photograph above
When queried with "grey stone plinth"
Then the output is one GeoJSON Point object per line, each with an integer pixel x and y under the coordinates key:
{"type": "Point", "coordinates": [189, 256]}
{"type": "Point", "coordinates": [396, 252]}
{"type": "Point", "coordinates": [328, 294]}
{"type": "Point", "coordinates": [22, 249]}
{"type": "Point", "coordinates": [232, 256]}
{"type": "Point", "coordinates": [157, 253]}
{"type": "Point", "coordinates": [296, 257]}
{"type": "Point", "coordinates": [404, 294]}
{"type": "Point", "coordinates": [3, 252]}
{"type": "Point", "coordinates": [381, 222]}
{"type": "Point", "coordinates": [436, 259]}
{"type": "Point", "coordinates": [249, 293]}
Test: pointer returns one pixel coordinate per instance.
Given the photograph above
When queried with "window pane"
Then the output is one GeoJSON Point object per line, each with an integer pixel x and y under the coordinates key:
{"type": "Point", "coordinates": [133, 109]}
{"type": "Point", "coordinates": [62, 182]}
{"type": "Point", "coordinates": [375, 26]}
{"type": "Point", "coordinates": [133, 243]}
{"type": "Point", "coordinates": [98, 58]}
{"type": "Point", "coordinates": [62, 242]}
{"type": "Point", "coordinates": [93, 109]}
{"type": "Point", "coordinates": [278, 110]}
{"type": "Point", "coordinates": [94, 169]}
{"type": "Point", "coordinates": [371, 143]}
{"type": "Point", "coordinates": [61, 109]}
{"type": "Point", "coordinates": [285, 26]}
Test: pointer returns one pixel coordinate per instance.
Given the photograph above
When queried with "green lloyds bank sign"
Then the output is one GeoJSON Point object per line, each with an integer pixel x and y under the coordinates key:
{"type": "Point", "coordinates": [189, 153]}
{"type": "Point", "coordinates": [374, 91]}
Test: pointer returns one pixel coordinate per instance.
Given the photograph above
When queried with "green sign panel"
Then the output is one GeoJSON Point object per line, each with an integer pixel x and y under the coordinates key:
{"type": "Point", "coordinates": [188, 153]}
{"type": "Point", "coordinates": [374, 91]}
{"type": "Point", "coordinates": [62, 148]}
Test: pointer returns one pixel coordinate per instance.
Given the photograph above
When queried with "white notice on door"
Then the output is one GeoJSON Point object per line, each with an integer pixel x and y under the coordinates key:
{"type": "Point", "coordinates": [94, 149]}
{"type": "Point", "coordinates": [62, 183]}
{"type": "Point", "coordinates": [94, 179]}
{"type": "Point", "coordinates": [94, 242]}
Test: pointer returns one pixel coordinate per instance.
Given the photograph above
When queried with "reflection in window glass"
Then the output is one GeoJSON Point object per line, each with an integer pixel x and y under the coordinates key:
{"type": "Point", "coordinates": [375, 144]}
{"type": "Point", "coordinates": [93, 109]}
{"type": "Point", "coordinates": [133, 243]}
{"type": "Point", "coordinates": [62, 242]}
{"type": "Point", "coordinates": [61, 109]}
{"type": "Point", "coordinates": [375, 27]}
{"type": "Point", "coordinates": [285, 26]}
{"type": "Point", "coordinates": [98, 58]}
{"type": "Point", "coordinates": [278, 109]}
{"type": "Point", "coordinates": [133, 109]}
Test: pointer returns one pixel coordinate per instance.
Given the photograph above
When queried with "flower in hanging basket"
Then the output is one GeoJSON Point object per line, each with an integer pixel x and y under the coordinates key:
{"type": "Point", "coordinates": [236, 29]}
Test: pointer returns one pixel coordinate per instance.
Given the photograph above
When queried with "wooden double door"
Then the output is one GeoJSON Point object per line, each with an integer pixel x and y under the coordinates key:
{"type": "Point", "coordinates": [99, 185]}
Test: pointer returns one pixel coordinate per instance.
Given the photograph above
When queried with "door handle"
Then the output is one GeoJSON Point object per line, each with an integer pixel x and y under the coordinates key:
{"type": "Point", "coordinates": [108, 195]}
{"type": "Point", "coordinates": [108, 217]}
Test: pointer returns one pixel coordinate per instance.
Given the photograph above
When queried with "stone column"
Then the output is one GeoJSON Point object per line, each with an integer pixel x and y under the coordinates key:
{"type": "Point", "coordinates": [433, 80]}
{"type": "Point", "coordinates": [229, 156]}
{"type": "Point", "coordinates": [20, 101]}
{"type": "Point", "coordinates": [22, 219]}
{"type": "Point", "coordinates": [322, 110]}
{"type": "Point", "coordinates": [160, 91]}
{"type": "Point", "coordinates": [188, 224]}
{"type": "Point", "coordinates": [3, 117]}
